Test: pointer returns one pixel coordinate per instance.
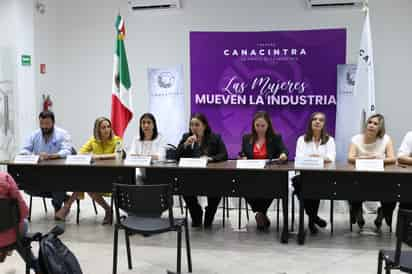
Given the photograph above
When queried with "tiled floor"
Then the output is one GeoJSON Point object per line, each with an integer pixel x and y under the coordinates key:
{"type": "Point", "coordinates": [221, 250]}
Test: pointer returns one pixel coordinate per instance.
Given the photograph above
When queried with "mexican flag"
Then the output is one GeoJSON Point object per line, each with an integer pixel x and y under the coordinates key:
{"type": "Point", "coordinates": [122, 111]}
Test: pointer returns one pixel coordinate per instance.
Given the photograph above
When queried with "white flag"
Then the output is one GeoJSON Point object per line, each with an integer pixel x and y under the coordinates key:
{"type": "Point", "coordinates": [354, 108]}
{"type": "Point", "coordinates": [365, 79]}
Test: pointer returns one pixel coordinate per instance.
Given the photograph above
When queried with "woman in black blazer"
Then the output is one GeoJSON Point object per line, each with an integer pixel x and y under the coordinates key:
{"type": "Point", "coordinates": [200, 141]}
{"type": "Point", "coordinates": [262, 143]}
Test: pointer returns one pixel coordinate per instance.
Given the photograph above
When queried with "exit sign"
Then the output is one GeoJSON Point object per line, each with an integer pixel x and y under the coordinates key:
{"type": "Point", "coordinates": [26, 60]}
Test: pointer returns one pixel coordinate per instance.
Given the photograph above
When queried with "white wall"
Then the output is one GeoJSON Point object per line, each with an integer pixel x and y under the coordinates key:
{"type": "Point", "coordinates": [46, 48]}
{"type": "Point", "coordinates": [84, 41]}
{"type": "Point", "coordinates": [7, 22]}
{"type": "Point", "coordinates": [26, 93]}
{"type": "Point", "coordinates": [17, 34]}
{"type": "Point", "coordinates": [391, 24]}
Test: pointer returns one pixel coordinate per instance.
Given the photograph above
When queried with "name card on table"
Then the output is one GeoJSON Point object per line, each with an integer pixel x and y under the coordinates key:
{"type": "Point", "coordinates": [137, 160]}
{"type": "Point", "coordinates": [309, 162]}
{"type": "Point", "coordinates": [251, 164]}
{"type": "Point", "coordinates": [193, 162]}
{"type": "Point", "coordinates": [26, 159]}
{"type": "Point", "coordinates": [81, 159]}
{"type": "Point", "coordinates": [369, 164]}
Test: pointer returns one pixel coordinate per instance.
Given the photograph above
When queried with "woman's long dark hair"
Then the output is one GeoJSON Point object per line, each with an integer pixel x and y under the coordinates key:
{"type": "Point", "coordinates": [208, 131]}
{"type": "Point", "coordinates": [324, 136]}
{"type": "Point", "coordinates": [270, 132]}
{"type": "Point", "coordinates": [151, 117]}
{"type": "Point", "coordinates": [202, 118]}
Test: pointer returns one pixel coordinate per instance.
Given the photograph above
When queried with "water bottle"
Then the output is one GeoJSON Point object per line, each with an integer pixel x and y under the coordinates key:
{"type": "Point", "coordinates": [119, 151]}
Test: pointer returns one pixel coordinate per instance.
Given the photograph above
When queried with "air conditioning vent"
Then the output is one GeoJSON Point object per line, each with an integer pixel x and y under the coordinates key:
{"type": "Point", "coordinates": [334, 3]}
{"type": "Point", "coordinates": [136, 5]}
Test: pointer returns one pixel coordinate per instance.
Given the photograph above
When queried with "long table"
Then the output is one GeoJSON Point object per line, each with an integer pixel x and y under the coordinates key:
{"type": "Point", "coordinates": [217, 179]}
{"type": "Point", "coordinates": [335, 181]}
{"type": "Point", "coordinates": [224, 179]}
{"type": "Point", "coordinates": [343, 182]}
{"type": "Point", "coordinates": [55, 175]}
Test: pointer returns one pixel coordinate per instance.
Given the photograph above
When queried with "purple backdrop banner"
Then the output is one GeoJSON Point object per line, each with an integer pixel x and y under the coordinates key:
{"type": "Point", "coordinates": [289, 74]}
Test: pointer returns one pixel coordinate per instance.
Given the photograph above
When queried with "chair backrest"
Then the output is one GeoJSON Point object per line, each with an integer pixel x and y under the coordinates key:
{"type": "Point", "coordinates": [403, 231]}
{"type": "Point", "coordinates": [171, 153]}
{"type": "Point", "coordinates": [9, 215]}
{"type": "Point", "coordinates": [143, 200]}
{"type": "Point", "coordinates": [404, 226]}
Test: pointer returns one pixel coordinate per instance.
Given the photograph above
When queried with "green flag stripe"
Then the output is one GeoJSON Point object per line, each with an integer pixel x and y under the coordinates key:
{"type": "Point", "coordinates": [124, 74]}
{"type": "Point", "coordinates": [118, 20]}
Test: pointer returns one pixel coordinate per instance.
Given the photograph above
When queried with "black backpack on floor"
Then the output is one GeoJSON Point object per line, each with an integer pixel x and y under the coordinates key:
{"type": "Point", "coordinates": [55, 257]}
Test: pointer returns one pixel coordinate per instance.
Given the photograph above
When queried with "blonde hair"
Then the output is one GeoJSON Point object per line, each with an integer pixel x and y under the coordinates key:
{"type": "Point", "coordinates": [96, 130]}
{"type": "Point", "coordinates": [381, 124]}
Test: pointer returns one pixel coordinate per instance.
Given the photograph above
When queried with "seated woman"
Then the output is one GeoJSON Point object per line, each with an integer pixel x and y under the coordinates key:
{"type": "Point", "coordinates": [316, 142]}
{"type": "Point", "coordinates": [262, 143]}
{"type": "Point", "coordinates": [102, 146]}
{"type": "Point", "coordinates": [149, 142]}
{"type": "Point", "coordinates": [200, 141]}
{"type": "Point", "coordinates": [373, 143]}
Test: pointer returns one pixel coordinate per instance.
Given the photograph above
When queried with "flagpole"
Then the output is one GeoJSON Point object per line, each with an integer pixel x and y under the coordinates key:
{"type": "Point", "coordinates": [365, 6]}
{"type": "Point", "coordinates": [365, 10]}
{"type": "Point", "coordinates": [367, 53]}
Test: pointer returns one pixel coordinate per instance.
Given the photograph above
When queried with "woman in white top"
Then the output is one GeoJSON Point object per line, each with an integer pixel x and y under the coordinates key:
{"type": "Point", "coordinates": [373, 143]}
{"type": "Point", "coordinates": [316, 142]}
{"type": "Point", "coordinates": [149, 142]}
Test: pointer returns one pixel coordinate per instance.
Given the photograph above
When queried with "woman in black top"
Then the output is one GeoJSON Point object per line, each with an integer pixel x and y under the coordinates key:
{"type": "Point", "coordinates": [200, 141]}
{"type": "Point", "coordinates": [262, 143]}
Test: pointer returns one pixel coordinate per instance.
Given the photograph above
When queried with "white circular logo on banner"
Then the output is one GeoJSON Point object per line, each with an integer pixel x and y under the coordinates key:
{"type": "Point", "coordinates": [166, 80]}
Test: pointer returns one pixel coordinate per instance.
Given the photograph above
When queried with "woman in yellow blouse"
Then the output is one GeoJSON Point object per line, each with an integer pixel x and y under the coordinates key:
{"type": "Point", "coordinates": [102, 146]}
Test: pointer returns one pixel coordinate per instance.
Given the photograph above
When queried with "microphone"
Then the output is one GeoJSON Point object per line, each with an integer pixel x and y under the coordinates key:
{"type": "Point", "coordinates": [193, 144]}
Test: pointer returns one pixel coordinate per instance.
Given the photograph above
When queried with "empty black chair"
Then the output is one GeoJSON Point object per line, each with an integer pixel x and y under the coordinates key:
{"type": "Point", "coordinates": [144, 205]}
{"type": "Point", "coordinates": [398, 259]}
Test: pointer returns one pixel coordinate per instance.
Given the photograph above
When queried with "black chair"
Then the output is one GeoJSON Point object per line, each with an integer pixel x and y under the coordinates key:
{"type": "Point", "coordinates": [398, 259]}
{"type": "Point", "coordinates": [144, 205]}
{"type": "Point", "coordinates": [45, 206]}
{"type": "Point", "coordinates": [171, 156]}
{"type": "Point", "coordinates": [10, 217]}
{"type": "Point", "coordinates": [239, 208]}
{"type": "Point", "coordinates": [225, 210]}
{"type": "Point", "coordinates": [351, 225]}
{"type": "Point", "coordinates": [94, 206]}
{"type": "Point", "coordinates": [74, 152]}
{"type": "Point", "coordinates": [31, 195]}
{"type": "Point", "coordinates": [292, 224]}
{"type": "Point", "coordinates": [31, 203]}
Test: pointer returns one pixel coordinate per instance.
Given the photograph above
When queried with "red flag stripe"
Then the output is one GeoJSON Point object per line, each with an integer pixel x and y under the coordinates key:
{"type": "Point", "coordinates": [121, 116]}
